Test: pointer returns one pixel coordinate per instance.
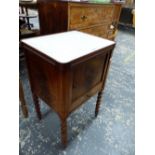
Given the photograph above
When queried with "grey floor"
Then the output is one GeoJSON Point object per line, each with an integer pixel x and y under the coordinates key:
{"type": "Point", "coordinates": [111, 133]}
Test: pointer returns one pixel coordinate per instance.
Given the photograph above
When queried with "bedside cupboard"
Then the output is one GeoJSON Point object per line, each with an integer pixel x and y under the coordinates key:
{"type": "Point", "coordinates": [66, 69]}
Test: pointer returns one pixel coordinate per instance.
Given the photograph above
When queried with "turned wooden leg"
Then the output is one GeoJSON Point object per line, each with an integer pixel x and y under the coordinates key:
{"type": "Point", "coordinates": [24, 110]}
{"type": "Point", "coordinates": [99, 97]}
{"type": "Point", "coordinates": [22, 99]}
{"type": "Point", "coordinates": [64, 131]}
{"type": "Point", "coordinates": [37, 106]}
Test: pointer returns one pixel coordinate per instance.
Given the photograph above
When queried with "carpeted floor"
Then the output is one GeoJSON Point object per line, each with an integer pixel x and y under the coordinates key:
{"type": "Point", "coordinates": [111, 133]}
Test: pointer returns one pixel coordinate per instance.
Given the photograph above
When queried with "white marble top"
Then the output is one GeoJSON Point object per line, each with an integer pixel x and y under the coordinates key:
{"type": "Point", "coordinates": [67, 46]}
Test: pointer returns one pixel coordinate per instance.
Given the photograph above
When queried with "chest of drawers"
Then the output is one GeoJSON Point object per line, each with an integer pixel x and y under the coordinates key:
{"type": "Point", "coordinates": [97, 19]}
{"type": "Point", "coordinates": [66, 69]}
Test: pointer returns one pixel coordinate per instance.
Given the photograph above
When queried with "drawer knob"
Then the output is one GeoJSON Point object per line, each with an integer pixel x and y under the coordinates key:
{"type": "Point", "coordinates": [112, 27]}
{"type": "Point", "coordinates": [83, 17]}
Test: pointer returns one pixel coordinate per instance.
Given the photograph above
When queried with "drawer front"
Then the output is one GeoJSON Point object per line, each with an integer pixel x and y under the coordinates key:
{"type": "Point", "coordinates": [101, 31]}
{"type": "Point", "coordinates": [87, 15]}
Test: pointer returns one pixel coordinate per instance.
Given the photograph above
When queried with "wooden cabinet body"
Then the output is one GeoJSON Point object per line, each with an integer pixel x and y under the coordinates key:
{"type": "Point", "coordinates": [98, 19]}
{"type": "Point", "coordinates": [65, 86]}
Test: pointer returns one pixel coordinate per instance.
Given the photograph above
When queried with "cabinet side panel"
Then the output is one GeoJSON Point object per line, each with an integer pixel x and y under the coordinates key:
{"type": "Point", "coordinates": [116, 14]}
{"type": "Point", "coordinates": [43, 78]}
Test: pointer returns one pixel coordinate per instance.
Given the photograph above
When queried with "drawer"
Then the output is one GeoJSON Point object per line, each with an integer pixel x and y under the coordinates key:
{"type": "Point", "coordinates": [101, 31]}
{"type": "Point", "coordinates": [87, 15]}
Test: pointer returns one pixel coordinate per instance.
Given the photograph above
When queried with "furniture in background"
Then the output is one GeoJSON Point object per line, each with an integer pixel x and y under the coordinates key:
{"type": "Point", "coordinates": [22, 100]}
{"type": "Point", "coordinates": [25, 16]}
{"type": "Point", "coordinates": [133, 20]}
{"type": "Point", "coordinates": [30, 4]}
{"type": "Point", "coordinates": [92, 17]}
{"type": "Point", "coordinates": [127, 14]}
{"type": "Point", "coordinates": [26, 29]}
{"type": "Point", "coordinates": [69, 72]}
{"type": "Point", "coordinates": [129, 3]}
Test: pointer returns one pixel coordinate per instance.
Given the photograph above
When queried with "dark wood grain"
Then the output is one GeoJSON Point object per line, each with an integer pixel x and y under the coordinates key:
{"type": "Point", "coordinates": [93, 18]}
{"type": "Point", "coordinates": [52, 17]}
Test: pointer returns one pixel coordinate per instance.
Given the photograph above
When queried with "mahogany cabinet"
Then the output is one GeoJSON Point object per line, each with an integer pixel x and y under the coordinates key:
{"type": "Point", "coordinates": [66, 69]}
{"type": "Point", "coordinates": [100, 19]}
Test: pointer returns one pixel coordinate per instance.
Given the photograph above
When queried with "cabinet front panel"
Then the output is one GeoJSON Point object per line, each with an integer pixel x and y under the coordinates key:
{"type": "Point", "coordinates": [87, 75]}
{"type": "Point", "coordinates": [86, 15]}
